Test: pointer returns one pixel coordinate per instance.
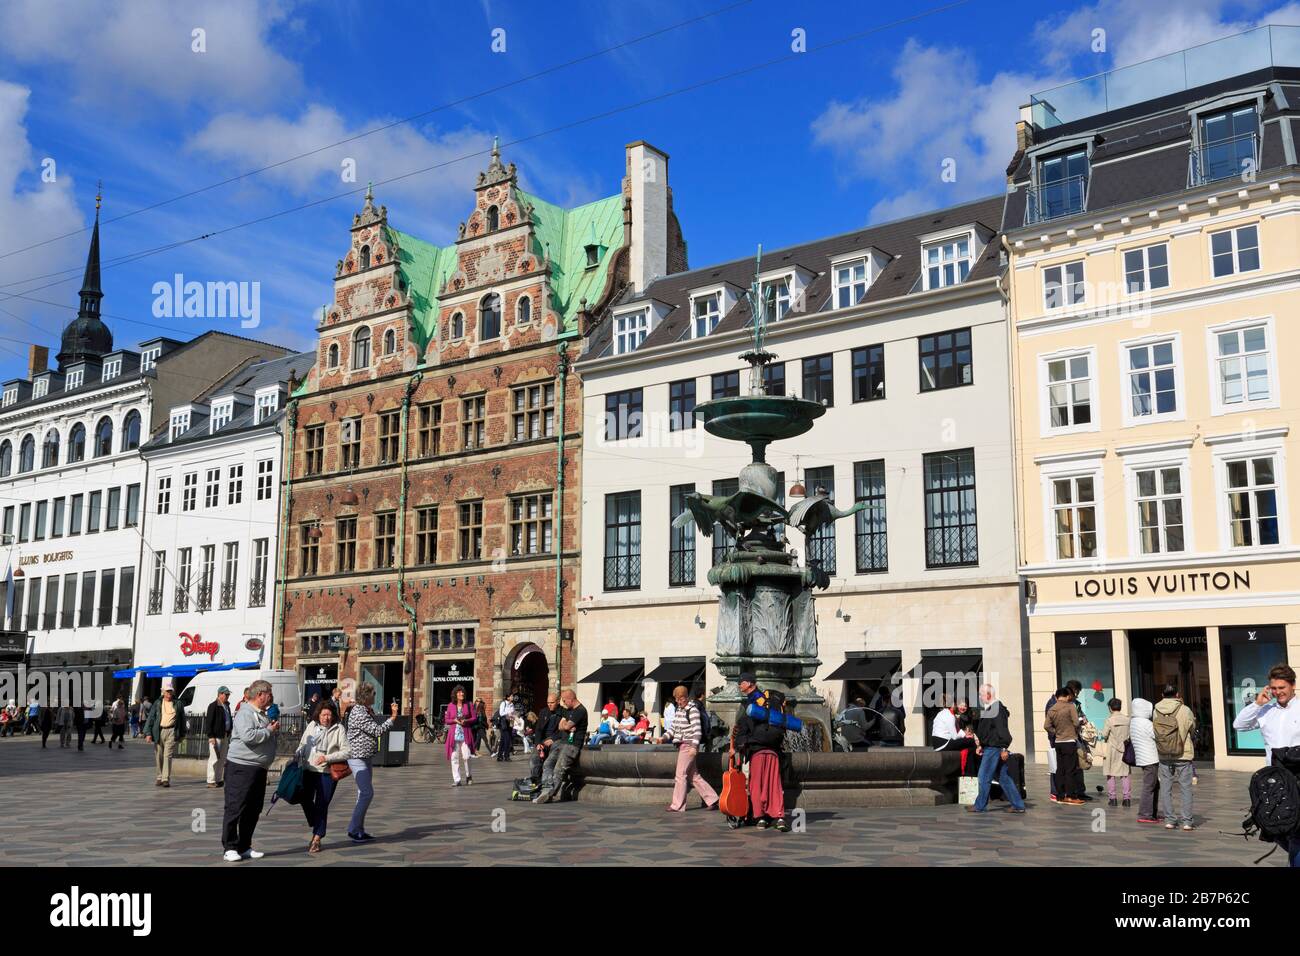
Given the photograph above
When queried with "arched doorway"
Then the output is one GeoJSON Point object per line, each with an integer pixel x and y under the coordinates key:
{"type": "Point", "coordinates": [528, 676]}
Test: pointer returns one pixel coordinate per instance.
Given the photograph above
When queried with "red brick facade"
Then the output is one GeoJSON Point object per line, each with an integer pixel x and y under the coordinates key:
{"type": "Point", "coordinates": [499, 591]}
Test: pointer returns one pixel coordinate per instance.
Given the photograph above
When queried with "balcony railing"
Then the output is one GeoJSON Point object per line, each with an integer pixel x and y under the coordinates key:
{"type": "Point", "coordinates": [1223, 159]}
{"type": "Point", "coordinates": [181, 602]}
{"type": "Point", "coordinates": [1257, 49]}
{"type": "Point", "coordinates": [622, 572]}
{"type": "Point", "coordinates": [257, 594]}
{"type": "Point", "coordinates": [1062, 197]}
{"type": "Point", "coordinates": [227, 596]}
{"type": "Point", "coordinates": [155, 601]}
{"type": "Point", "coordinates": [203, 599]}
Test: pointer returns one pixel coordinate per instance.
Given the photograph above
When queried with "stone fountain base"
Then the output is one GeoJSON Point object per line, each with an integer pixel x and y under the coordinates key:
{"type": "Point", "coordinates": [883, 777]}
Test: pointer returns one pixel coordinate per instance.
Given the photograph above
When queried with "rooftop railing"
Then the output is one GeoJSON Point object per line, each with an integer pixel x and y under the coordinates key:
{"type": "Point", "coordinates": [1063, 197]}
{"type": "Point", "coordinates": [1211, 62]}
{"type": "Point", "coordinates": [1223, 159]}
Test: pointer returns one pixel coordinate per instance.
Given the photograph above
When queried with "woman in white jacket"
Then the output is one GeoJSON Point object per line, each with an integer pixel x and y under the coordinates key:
{"type": "Point", "coordinates": [324, 743]}
{"type": "Point", "coordinates": [1143, 735]}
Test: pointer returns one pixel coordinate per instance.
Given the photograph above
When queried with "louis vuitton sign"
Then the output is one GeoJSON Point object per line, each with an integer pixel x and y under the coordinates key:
{"type": "Point", "coordinates": [1179, 584]}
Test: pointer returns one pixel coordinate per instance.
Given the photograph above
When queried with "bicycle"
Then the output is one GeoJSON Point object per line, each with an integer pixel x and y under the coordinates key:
{"type": "Point", "coordinates": [429, 731]}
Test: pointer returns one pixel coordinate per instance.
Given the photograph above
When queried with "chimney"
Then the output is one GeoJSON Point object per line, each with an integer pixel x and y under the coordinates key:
{"type": "Point", "coordinates": [38, 360]}
{"type": "Point", "coordinates": [646, 185]}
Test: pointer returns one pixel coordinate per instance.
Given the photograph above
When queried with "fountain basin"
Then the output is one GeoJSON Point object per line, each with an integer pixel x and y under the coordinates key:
{"type": "Point", "coordinates": [759, 418]}
{"type": "Point", "coordinates": [633, 775]}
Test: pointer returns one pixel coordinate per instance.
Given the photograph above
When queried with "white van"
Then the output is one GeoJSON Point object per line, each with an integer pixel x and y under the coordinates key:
{"type": "Point", "coordinates": [202, 689]}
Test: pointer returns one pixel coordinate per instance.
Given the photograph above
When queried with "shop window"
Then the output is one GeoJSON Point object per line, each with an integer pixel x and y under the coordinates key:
{"type": "Point", "coordinates": [1086, 656]}
{"type": "Point", "coordinates": [1248, 654]}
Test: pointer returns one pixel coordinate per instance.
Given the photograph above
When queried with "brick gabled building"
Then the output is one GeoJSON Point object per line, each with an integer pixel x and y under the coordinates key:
{"type": "Point", "coordinates": [432, 498]}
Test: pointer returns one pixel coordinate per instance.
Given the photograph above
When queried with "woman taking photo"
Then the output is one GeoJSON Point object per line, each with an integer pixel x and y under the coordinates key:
{"type": "Point", "coordinates": [363, 743]}
{"type": "Point", "coordinates": [324, 745]}
{"type": "Point", "coordinates": [460, 721]}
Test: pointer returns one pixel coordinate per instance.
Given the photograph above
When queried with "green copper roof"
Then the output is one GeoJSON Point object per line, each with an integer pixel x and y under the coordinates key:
{"type": "Point", "coordinates": [567, 233]}
{"type": "Point", "coordinates": [424, 269]}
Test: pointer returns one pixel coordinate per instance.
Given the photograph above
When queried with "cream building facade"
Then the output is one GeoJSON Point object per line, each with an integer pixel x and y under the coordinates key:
{"type": "Point", "coordinates": [901, 330]}
{"type": "Point", "coordinates": [1154, 255]}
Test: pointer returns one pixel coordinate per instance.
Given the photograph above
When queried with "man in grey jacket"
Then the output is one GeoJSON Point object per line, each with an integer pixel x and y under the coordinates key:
{"type": "Point", "coordinates": [252, 750]}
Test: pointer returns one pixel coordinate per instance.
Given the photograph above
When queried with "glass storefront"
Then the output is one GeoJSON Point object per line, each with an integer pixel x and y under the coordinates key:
{"type": "Point", "coordinates": [1248, 654]}
{"type": "Point", "coordinates": [445, 677]}
{"type": "Point", "coordinates": [1087, 656]}
{"type": "Point", "coordinates": [1178, 657]}
{"type": "Point", "coordinates": [319, 681]}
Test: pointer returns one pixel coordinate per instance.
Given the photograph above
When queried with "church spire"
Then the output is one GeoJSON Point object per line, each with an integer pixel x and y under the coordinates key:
{"type": "Point", "coordinates": [87, 336]}
{"type": "Point", "coordinates": [91, 292]}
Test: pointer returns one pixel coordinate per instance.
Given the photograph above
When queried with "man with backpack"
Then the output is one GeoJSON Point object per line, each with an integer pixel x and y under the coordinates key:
{"type": "Point", "coordinates": [1276, 716]}
{"type": "Point", "coordinates": [1174, 724]}
{"type": "Point", "coordinates": [687, 732]}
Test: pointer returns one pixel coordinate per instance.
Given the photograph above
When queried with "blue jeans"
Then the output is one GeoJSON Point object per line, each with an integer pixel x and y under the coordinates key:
{"type": "Point", "coordinates": [599, 739]}
{"type": "Point", "coordinates": [1292, 848]}
{"type": "Point", "coordinates": [991, 763]}
{"type": "Point", "coordinates": [316, 800]}
{"type": "Point", "coordinates": [365, 793]}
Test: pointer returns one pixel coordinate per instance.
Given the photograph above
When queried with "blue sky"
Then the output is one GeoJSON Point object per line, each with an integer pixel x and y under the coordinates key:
{"type": "Point", "coordinates": [819, 144]}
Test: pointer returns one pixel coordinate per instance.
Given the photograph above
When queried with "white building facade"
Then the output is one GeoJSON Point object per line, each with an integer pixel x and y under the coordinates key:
{"type": "Point", "coordinates": [900, 330]}
{"type": "Point", "coordinates": [212, 542]}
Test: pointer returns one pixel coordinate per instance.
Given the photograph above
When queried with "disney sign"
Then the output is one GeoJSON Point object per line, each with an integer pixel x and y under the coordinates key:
{"type": "Point", "coordinates": [192, 644]}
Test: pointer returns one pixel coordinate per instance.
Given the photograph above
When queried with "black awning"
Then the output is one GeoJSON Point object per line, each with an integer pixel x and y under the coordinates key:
{"type": "Point", "coordinates": [616, 672]}
{"type": "Point", "coordinates": [867, 668]}
{"type": "Point", "coordinates": [949, 666]}
{"type": "Point", "coordinates": [678, 672]}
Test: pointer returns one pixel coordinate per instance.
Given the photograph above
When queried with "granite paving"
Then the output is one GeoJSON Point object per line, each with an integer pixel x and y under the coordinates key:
{"type": "Point", "coordinates": [100, 808]}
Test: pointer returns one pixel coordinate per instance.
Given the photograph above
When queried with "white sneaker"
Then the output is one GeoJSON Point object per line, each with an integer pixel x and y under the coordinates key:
{"type": "Point", "coordinates": [232, 856]}
{"type": "Point", "coordinates": [252, 855]}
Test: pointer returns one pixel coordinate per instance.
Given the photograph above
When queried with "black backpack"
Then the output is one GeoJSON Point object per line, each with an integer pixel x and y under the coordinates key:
{"type": "Point", "coordinates": [704, 725]}
{"type": "Point", "coordinates": [1274, 806]}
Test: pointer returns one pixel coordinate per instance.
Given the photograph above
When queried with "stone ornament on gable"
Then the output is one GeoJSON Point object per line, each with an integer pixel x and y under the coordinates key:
{"type": "Point", "coordinates": [318, 622]}
{"type": "Point", "coordinates": [383, 615]}
{"type": "Point", "coordinates": [363, 300]}
{"type": "Point", "coordinates": [492, 266]}
{"type": "Point", "coordinates": [527, 605]}
{"type": "Point", "coordinates": [531, 484]}
{"type": "Point", "coordinates": [451, 611]}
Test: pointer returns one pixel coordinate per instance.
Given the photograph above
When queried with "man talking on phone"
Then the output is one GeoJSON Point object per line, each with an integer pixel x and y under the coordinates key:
{"type": "Point", "coordinates": [1276, 715]}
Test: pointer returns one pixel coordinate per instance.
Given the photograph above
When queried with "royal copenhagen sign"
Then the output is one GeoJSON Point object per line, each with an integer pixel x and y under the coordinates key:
{"type": "Point", "coordinates": [1181, 583]}
{"type": "Point", "coordinates": [192, 645]}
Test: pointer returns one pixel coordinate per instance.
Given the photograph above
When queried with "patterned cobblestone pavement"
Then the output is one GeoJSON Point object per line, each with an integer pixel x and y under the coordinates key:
{"type": "Point", "coordinates": [99, 807]}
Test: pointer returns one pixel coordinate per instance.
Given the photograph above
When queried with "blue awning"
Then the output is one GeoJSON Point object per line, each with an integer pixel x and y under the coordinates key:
{"type": "Point", "coordinates": [184, 670]}
{"type": "Point", "coordinates": [129, 672]}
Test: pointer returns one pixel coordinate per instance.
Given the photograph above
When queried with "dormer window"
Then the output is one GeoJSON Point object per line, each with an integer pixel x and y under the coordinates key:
{"type": "Point", "coordinates": [706, 313]}
{"type": "Point", "coordinates": [222, 412]}
{"type": "Point", "coordinates": [11, 396]}
{"type": "Point", "coordinates": [179, 424]}
{"type": "Point", "coordinates": [1060, 186]}
{"type": "Point", "coordinates": [41, 388]}
{"type": "Point", "coordinates": [268, 402]}
{"type": "Point", "coordinates": [630, 330]}
{"type": "Point", "coordinates": [149, 358]}
{"type": "Point", "coordinates": [365, 257]}
{"type": "Point", "coordinates": [493, 219]}
{"type": "Point", "coordinates": [73, 381]}
{"type": "Point", "coordinates": [112, 369]}
{"type": "Point", "coordinates": [851, 281]}
{"type": "Point", "coordinates": [947, 261]}
{"type": "Point", "coordinates": [776, 298]}
{"type": "Point", "coordinates": [1229, 145]}
{"type": "Point", "coordinates": [593, 255]}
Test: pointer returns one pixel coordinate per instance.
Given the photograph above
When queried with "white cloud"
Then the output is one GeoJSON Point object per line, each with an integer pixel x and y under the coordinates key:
{"type": "Point", "coordinates": [428, 204]}
{"type": "Point", "coordinates": [931, 123]}
{"type": "Point", "coordinates": [940, 108]}
{"type": "Point", "coordinates": [134, 52]}
{"type": "Point", "coordinates": [31, 208]}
